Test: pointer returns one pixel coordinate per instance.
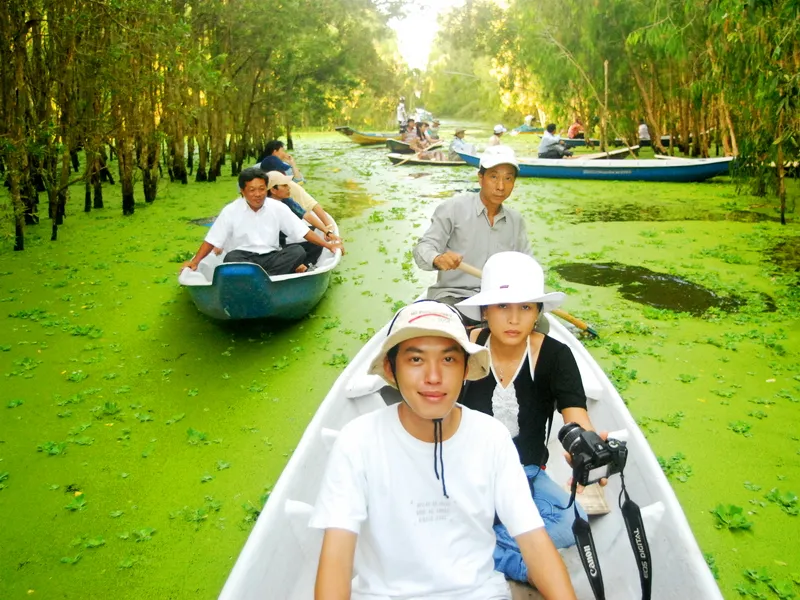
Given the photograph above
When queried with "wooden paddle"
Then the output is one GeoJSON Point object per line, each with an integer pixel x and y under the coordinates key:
{"type": "Point", "coordinates": [416, 155]}
{"type": "Point", "coordinates": [476, 272]}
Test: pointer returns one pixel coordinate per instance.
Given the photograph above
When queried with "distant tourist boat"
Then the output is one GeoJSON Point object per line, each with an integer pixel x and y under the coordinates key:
{"type": "Point", "coordinates": [578, 142]}
{"type": "Point", "coordinates": [526, 129]}
{"type": "Point", "coordinates": [413, 160]}
{"type": "Point", "coordinates": [280, 557]}
{"type": "Point", "coordinates": [237, 291]}
{"type": "Point", "coordinates": [367, 139]}
{"type": "Point", "coordinates": [678, 170]}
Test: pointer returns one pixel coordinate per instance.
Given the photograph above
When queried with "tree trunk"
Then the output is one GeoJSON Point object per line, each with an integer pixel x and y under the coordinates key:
{"type": "Point", "coordinates": [189, 155]}
{"type": "Point", "coordinates": [125, 156]}
{"type": "Point", "coordinates": [202, 159]}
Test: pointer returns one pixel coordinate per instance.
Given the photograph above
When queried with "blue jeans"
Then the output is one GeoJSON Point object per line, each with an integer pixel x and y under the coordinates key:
{"type": "Point", "coordinates": [547, 495]}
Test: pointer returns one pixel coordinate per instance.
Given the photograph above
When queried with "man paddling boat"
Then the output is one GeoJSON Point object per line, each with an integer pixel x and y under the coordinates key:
{"type": "Point", "coordinates": [471, 227]}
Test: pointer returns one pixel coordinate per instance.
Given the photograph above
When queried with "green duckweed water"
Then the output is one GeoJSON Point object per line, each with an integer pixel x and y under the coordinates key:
{"type": "Point", "coordinates": [139, 437]}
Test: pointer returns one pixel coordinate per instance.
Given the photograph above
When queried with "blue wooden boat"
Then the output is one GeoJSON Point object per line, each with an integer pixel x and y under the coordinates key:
{"type": "Point", "coordinates": [677, 170]}
{"type": "Point", "coordinates": [236, 291]}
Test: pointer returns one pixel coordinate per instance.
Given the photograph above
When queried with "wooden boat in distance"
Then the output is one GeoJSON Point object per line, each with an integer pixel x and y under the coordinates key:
{"type": "Point", "coordinates": [280, 556]}
{"type": "Point", "coordinates": [367, 139]}
{"type": "Point", "coordinates": [236, 291]}
{"type": "Point", "coordinates": [399, 147]}
{"type": "Point", "coordinates": [676, 171]}
{"type": "Point", "coordinates": [615, 154]}
{"type": "Point", "coordinates": [578, 142]}
{"type": "Point", "coordinates": [413, 160]}
{"type": "Point", "coordinates": [525, 130]}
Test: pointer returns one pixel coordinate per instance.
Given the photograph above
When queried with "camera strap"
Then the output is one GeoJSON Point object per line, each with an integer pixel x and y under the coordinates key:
{"type": "Point", "coordinates": [636, 535]}
{"type": "Point", "coordinates": [638, 539]}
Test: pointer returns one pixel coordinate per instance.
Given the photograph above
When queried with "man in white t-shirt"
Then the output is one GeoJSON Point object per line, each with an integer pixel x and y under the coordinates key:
{"type": "Point", "coordinates": [397, 526]}
{"type": "Point", "coordinates": [249, 229]}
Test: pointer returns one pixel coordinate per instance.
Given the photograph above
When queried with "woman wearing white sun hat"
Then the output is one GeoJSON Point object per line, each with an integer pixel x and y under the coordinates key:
{"type": "Point", "coordinates": [532, 375]}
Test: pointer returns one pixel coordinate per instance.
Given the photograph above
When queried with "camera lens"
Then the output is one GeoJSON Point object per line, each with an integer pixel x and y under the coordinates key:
{"type": "Point", "coordinates": [568, 434]}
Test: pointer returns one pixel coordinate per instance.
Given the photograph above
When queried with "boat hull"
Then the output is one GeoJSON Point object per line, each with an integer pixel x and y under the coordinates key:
{"type": "Point", "coordinates": [406, 160]}
{"type": "Point", "coordinates": [578, 142]}
{"type": "Point", "coordinates": [238, 291]}
{"type": "Point", "coordinates": [677, 171]}
{"type": "Point", "coordinates": [367, 139]}
{"type": "Point", "coordinates": [244, 291]}
{"type": "Point", "coordinates": [399, 147]}
{"type": "Point", "coordinates": [282, 552]}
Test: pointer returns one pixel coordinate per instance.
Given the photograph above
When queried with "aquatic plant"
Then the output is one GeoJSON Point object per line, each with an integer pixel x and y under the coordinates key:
{"type": "Point", "coordinates": [729, 516]}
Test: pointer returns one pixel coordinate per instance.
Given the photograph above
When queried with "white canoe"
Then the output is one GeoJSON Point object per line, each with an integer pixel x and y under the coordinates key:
{"type": "Point", "coordinates": [280, 557]}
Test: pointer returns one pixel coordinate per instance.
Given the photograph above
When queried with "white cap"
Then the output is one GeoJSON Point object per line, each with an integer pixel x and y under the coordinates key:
{"type": "Point", "coordinates": [511, 278]}
{"type": "Point", "coordinates": [498, 129]}
{"type": "Point", "coordinates": [430, 318]}
{"type": "Point", "coordinates": [277, 178]}
{"type": "Point", "coordinates": [499, 155]}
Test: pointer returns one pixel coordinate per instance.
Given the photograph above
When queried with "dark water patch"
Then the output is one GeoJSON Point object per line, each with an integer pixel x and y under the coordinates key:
{"type": "Point", "coordinates": [785, 255]}
{"type": "Point", "coordinates": [204, 222]}
{"type": "Point", "coordinates": [643, 212]}
{"type": "Point", "coordinates": [418, 175]}
{"type": "Point", "coordinates": [659, 290]}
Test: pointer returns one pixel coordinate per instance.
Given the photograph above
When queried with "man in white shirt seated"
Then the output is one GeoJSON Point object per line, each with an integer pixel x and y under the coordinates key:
{"type": "Point", "coordinates": [409, 529]}
{"type": "Point", "coordinates": [249, 228]}
{"type": "Point", "coordinates": [551, 145]}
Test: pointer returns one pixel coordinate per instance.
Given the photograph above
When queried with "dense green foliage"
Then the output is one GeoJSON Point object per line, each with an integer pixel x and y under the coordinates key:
{"type": "Point", "coordinates": [724, 73]}
{"type": "Point", "coordinates": [158, 81]}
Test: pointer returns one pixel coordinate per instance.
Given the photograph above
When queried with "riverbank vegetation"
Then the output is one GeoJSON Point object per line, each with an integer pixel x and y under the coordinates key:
{"type": "Point", "coordinates": [720, 76]}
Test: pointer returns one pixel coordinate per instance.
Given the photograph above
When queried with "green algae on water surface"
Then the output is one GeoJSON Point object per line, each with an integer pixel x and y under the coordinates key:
{"type": "Point", "coordinates": [100, 343]}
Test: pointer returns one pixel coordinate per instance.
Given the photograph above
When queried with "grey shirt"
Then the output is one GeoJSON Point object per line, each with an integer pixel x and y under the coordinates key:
{"type": "Point", "coordinates": [460, 224]}
{"type": "Point", "coordinates": [549, 141]}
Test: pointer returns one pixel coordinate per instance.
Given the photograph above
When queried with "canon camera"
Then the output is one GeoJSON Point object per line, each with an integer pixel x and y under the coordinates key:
{"type": "Point", "coordinates": [592, 458]}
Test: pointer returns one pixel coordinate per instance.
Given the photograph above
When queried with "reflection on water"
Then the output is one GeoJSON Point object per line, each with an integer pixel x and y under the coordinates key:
{"type": "Point", "coordinates": [659, 290]}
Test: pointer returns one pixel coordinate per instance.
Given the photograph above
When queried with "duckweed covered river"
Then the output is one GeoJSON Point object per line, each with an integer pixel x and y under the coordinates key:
{"type": "Point", "coordinates": [138, 438]}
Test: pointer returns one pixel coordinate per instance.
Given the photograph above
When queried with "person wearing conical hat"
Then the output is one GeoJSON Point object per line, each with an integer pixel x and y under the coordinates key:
{"type": "Point", "coordinates": [531, 376]}
{"type": "Point", "coordinates": [407, 528]}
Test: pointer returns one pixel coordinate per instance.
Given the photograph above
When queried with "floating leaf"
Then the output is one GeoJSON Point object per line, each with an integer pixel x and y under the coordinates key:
{"type": "Point", "coordinates": [731, 516]}
{"type": "Point", "coordinates": [143, 535]}
{"type": "Point", "coordinates": [14, 403]}
{"type": "Point", "coordinates": [175, 418]}
{"type": "Point", "coordinates": [116, 514]}
{"type": "Point", "coordinates": [72, 560]}
{"type": "Point", "coordinates": [78, 504]}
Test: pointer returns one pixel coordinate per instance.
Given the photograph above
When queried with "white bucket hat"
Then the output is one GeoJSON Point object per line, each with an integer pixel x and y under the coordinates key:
{"type": "Point", "coordinates": [499, 155]}
{"type": "Point", "coordinates": [498, 129]}
{"type": "Point", "coordinates": [510, 278]}
{"type": "Point", "coordinates": [431, 318]}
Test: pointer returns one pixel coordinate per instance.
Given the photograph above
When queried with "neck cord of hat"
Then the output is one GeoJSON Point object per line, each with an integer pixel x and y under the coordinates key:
{"type": "Point", "coordinates": [437, 442]}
